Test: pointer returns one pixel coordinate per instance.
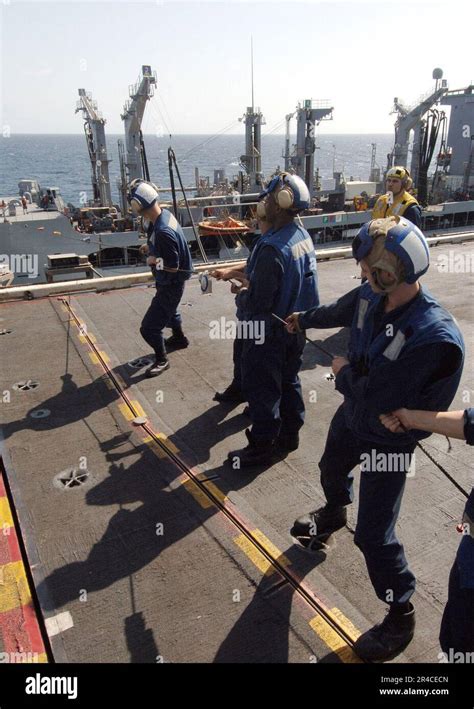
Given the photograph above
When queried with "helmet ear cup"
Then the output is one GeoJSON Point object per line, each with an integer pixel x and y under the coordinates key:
{"type": "Point", "coordinates": [285, 198]}
{"type": "Point", "coordinates": [403, 174]}
{"type": "Point", "coordinates": [136, 207]}
{"type": "Point", "coordinates": [261, 210]}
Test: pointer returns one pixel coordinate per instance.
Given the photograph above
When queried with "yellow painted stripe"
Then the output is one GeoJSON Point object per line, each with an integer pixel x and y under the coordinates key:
{"type": "Point", "coordinates": [167, 443]}
{"type": "Point", "coordinates": [271, 548]}
{"type": "Point", "coordinates": [14, 591]}
{"type": "Point", "coordinates": [153, 445]}
{"type": "Point", "coordinates": [345, 623]}
{"type": "Point", "coordinates": [256, 556]}
{"type": "Point", "coordinates": [138, 409]}
{"type": "Point", "coordinates": [125, 411]}
{"type": "Point", "coordinates": [198, 494]}
{"type": "Point", "coordinates": [89, 337]}
{"type": "Point", "coordinates": [216, 492]}
{"type": "Point", "coordinates": [334, 642]}
{"type": "Point", "coordinates": [95, 359]}
{"type": "Point", "coordinates": [5, 514]}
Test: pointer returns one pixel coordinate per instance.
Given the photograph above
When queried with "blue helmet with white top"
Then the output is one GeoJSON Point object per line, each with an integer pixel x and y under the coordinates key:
{"type": "Point", "coordinates": [401, 238]}
{"type": "Point", "coordinates": [293, 195]}
{"type": "Point", "coordinates": [141, 195]}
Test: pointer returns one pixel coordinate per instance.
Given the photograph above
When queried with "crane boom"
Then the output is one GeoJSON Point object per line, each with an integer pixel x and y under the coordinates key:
{"type": "Point", "coordinates": [94, 129]}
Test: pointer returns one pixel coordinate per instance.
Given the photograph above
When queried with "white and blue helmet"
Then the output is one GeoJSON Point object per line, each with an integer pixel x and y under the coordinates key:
{"type": "Point", "coordinates": [293, 195]}
{"type": "Point", "coordinates": [402, 238]}
{"type": "Point", "coordinates": [141, 195]}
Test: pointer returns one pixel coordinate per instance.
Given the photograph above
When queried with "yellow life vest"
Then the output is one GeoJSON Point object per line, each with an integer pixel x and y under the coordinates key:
{"type": "Point", "coordinates": [400, 204]}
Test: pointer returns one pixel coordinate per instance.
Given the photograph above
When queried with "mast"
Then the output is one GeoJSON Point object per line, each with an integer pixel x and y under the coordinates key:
{"type": "Point", "coordinates": [253, 119]}
{"type": "Point", "coordinates": [251, 68]}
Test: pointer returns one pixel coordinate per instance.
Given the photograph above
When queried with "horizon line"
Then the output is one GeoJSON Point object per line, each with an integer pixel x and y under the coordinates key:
{"type": "Point", "coordinates": [177, 135]}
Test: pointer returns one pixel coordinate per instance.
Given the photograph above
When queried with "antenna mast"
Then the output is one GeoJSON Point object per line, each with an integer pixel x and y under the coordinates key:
{"type": "Point", "coordinates": [251, 65]}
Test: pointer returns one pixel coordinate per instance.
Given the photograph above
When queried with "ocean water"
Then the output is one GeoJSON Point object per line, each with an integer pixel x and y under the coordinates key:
{"type": "Point", "coordinates": [63, 161]}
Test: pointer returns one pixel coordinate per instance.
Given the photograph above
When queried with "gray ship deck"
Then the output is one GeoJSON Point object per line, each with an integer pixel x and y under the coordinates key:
{"type": "Point", "coordinates": [150, 563]}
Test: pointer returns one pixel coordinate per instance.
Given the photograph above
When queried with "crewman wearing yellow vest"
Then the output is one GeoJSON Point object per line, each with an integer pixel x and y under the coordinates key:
{"type": "Point", "coordinates": [398, 201]}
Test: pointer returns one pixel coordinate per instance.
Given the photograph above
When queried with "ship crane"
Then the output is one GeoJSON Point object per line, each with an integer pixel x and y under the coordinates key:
{"type": "Point", "coordinates": [94, 129]}
{"type": "Point", "coordinates": [134, 155]}
{"type": "Point", "coordinates": [409, 119]}
{"type": "Point", "coordinates": [308, 117]}
{"type": "Point", "coordinates": [287, 154]}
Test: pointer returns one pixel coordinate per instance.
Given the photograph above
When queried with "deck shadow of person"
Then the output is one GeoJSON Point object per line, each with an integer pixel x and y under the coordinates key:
{"type": "Point", "coordinates": [71, 404]}
{"type": "Point", "coordinates": [130, 541]}
{"type": "Point", "coordinates": [337, 344]}
{"type": "Point", "coordinates": [271, 630]}
{"type": "Point", "coordinates": [140, 640]}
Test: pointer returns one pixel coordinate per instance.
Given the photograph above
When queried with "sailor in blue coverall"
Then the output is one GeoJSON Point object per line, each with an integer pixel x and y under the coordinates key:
{"type": "Point", "coordinates": [457, 625]}
{"type": "Point", "coordinates": [280, 277]}
{"type": "Point", "coordinates": [233, 393]}
{"type": "Point", "coordinates": [405, 350]}
{"type": "Point", "coordinates": [171, 262]}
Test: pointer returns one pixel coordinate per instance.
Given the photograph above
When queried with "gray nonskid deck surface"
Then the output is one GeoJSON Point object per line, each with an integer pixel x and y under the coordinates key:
{"type": "Point", "coordinates": [179, 404]}
{"type": "Point", "coordinates": [145, 572]}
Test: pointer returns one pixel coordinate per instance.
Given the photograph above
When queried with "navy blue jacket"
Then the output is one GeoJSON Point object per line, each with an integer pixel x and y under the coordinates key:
{"type": "Point", "coordinates": [282, 275]}
{"type": "Point", "coordinates": [410, 357]}
{"type": "Point", "coordinates": [166, 241]}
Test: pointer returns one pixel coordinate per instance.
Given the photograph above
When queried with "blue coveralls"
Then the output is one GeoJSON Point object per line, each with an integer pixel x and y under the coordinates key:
{"type": "Point", "coordinates": [270, 380]}
{"type": "Point", "coordinates": [238, 347]}
{"type": "Point", "coordinates": [457, 624]}
{"type": "Point", "coordinates": [410, 357]}
{"type": "Point", "coordinates": [166, 241]}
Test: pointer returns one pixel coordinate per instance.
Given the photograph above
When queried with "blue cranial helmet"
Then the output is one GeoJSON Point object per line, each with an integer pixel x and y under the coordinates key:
{"type": "Point", "coordinates": [294, 193]}
{"type": "Point", "coordinates": [402, 238]}
{"type": "Point", "coordinates": [141, 195]}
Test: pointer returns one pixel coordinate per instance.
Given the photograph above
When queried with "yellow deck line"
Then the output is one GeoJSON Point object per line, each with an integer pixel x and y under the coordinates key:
{"type": "Point", "coordinates": [126, 411]}
{"type": "Point", "coordinates": [154, 447]}
{"type": "Point", "coordinates": [6, 519]}
{"type": "Point", "coordinates": [332, 639]}
{"type": "Point", "coordinates": [14, 590]}
{"type": "Point", "coordinates": [256, 556]}
{"type": "Point", "coordinates": [138, 409]}
{"type": "Point", "coordinates": [191, 487]}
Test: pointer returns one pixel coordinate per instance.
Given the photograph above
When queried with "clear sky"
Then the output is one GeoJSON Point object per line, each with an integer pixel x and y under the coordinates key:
{"type": "Point", "coordinates": [359, 55]}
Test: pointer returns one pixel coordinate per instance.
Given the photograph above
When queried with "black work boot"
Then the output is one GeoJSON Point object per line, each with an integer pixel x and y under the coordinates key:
{"type": "Point", "coordinates": [318, 525]}
{"type": "Point", "coordinates": [177, 341]}
{"type": "Point", "coordinates": [387, 639]}
{"type": "Point", "coordinates": [257, 452]}
{"type": "Point", "coordinates": [288, 441]}
{"type": "Point", "coordinates": [157, 368]}
{"type": "Point", "coordinates": [233, 393]}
